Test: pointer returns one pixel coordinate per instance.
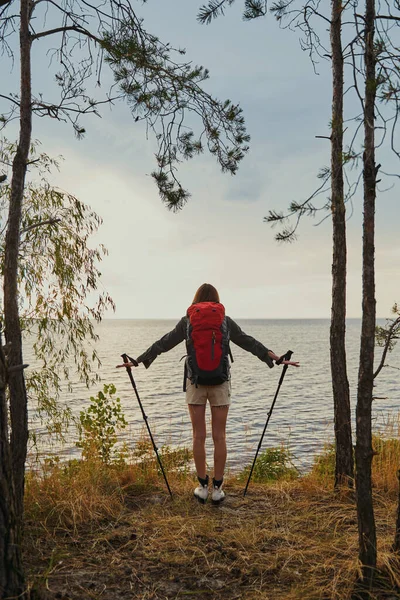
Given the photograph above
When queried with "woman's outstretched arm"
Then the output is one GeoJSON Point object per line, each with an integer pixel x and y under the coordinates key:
{"type": "Point", "coordinates": [166, 343]}
{"type": "Point", "coordinates": [250, 344]}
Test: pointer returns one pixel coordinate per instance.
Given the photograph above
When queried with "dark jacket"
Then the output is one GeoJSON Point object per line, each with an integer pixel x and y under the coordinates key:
{"type": "Point", "coordinates": [178, 335]}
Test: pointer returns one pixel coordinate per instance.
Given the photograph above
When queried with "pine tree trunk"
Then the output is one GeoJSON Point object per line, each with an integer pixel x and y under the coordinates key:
{"type": "Point", "coordinates": [18, 397]}
{"type": "Point", "coordinates": [13, 452]}
{"type": "Point", "coordinates": [11, 575]}
{"type": "Point", "coordinates": [344, 472]}
{"type": "Point", "coordinates": [364, 453]}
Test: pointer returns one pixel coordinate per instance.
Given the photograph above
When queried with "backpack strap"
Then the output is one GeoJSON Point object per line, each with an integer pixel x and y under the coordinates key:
{"type": "Point", "coordinates": [230, 354]}
{"type": "Point", "coordinates": [185, 372]}
{"type": "Point", "coordinates": [184, 377]}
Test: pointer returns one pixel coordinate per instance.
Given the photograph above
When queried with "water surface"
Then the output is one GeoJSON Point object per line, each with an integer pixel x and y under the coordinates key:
{"type": "Point", "coordinates": [302, 417]}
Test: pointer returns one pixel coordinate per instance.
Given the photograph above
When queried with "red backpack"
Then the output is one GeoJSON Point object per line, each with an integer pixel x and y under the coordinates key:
{"type": "Point", "coordinates": [207, 342]}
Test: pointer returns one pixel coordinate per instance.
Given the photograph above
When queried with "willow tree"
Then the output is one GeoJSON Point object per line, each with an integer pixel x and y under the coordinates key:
{"type": "Point", "coordinates": [82, 38]}
{"type": "Point", "coordinates": [58, 276]}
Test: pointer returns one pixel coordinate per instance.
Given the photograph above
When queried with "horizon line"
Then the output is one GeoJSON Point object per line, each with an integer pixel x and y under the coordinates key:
{"type": "Point", "coordinates": [238, 318]}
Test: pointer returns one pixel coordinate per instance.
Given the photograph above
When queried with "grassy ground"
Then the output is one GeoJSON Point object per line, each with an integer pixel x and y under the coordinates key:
{"type": "Point", "coordinates": [114, 533]}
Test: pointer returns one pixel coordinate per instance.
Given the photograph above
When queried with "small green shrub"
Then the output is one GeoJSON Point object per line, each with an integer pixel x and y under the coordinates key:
{"type": "Point", "coordinates": [98, 426]}
{"type": "Point", "coordinates": [271, 465]}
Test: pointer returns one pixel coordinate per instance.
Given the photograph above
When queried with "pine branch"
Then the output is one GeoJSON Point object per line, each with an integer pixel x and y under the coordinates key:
{"type": "Point", "coordinates": [63, 30]}
{"type": "Point", "coordinates": [274, 217]}
{"type": "Point", "coordinates": [386, 17]}
{"type": "Point", "coordinates": [10, 99]}
{"type": "Point", "coordinates": [280, 8]}
{"type": "Point", "coordinates": [389, 336]}
{"type": "Point", "coordinates": [253, 9]}
{"type": "Point", "coordinates": [287, 235]}
{"type": "Point", "coordinates": [212, 10]}
{"type": "Point", "coordinates": [162, 92]}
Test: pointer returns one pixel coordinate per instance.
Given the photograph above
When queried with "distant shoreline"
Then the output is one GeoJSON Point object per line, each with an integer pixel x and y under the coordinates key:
{"type": "Point", "coordinates": [176, 319]}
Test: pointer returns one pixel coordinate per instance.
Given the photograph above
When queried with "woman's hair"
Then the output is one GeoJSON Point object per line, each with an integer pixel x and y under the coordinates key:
{"type": "Point", "coordinates": [206, 293]}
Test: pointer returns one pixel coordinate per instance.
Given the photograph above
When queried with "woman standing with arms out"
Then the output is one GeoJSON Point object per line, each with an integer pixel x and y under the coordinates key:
{"type": "Point", "coordinates": [207, 332]}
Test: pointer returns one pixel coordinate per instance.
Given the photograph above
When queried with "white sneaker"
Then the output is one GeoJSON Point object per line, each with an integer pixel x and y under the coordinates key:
{"type": "Point", "coordinates": [201, 493]}
{"type": "Point", "coordinates": [217, 495]}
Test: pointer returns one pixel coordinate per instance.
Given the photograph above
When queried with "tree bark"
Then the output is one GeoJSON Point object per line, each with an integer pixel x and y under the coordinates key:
{"type": "Point", "coordinates": [364, 453]}
{"type": "Point", "coordinates": [18, 397]}
{"type": "Point", "coordinates": [344, 471]}
{"type": "Point", "coordinates": [13, 450]}
{"type": "Point", "coordinates": [11, 575]}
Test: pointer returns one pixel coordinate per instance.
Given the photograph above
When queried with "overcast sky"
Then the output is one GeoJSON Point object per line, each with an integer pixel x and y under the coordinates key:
{"type": "Point", "coordinates": [157, 259]}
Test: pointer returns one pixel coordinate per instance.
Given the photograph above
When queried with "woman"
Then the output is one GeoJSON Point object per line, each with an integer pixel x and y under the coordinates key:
{"type": "Point", "coordinates": [213, 386]}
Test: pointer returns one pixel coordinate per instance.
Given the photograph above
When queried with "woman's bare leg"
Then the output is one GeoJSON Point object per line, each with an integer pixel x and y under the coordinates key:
{"type": "Point", "coordinates": [219, 415]}
{"type": "Point", "coordinates": [198, 417]}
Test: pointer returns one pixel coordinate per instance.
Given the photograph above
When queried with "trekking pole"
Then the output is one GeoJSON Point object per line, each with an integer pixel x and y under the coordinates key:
{"type": "Point", "coordinates": [286, 356]}
{"type": "Point", "coordinates": [126, 359]}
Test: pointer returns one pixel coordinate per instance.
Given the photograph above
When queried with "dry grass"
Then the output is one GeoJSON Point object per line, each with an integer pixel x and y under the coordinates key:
{"type": "Point", "coordinates": [386, 464]}
{"type": "Point", "coordinates": [113, 532]}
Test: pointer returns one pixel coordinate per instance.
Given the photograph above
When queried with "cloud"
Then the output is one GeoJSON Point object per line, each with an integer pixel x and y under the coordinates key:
{"type": "Point", "coordinates": [158, 258]}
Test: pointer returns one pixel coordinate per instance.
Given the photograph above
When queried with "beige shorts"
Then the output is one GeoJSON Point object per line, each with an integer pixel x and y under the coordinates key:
{"type": "Point", "coordinates": [217, 395]}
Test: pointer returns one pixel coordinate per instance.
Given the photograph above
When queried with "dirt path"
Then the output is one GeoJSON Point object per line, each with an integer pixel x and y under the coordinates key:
{"type": "Point", "coordinates": [281, 542]}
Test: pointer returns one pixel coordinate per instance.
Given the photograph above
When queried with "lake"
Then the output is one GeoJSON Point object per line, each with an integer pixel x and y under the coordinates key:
{"type": "Point", "coordinates": [303, 414]}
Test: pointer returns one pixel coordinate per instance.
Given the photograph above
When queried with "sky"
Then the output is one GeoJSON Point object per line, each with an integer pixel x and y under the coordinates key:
{"type": "Point", "coordinates": [157, 259]}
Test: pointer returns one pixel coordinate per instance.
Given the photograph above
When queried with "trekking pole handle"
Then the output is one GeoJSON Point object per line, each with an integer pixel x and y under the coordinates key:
{"type": "Point", "coordinates": [286, 356]}
{"type": "Point", "coordinates": [127, 358]}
